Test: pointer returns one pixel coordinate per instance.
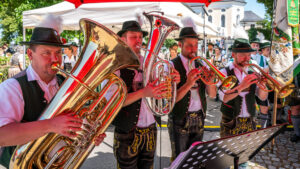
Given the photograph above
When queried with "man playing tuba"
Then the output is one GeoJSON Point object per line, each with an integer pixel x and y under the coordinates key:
{"type": "Point", "coordinates": [186, 121]}
{"type": "Point", "coordinates": [25, 96]}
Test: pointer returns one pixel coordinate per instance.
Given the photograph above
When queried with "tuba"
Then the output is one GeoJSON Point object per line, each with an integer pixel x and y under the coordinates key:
{"type": "Point", "coordinates": [103, 53]}
{"type": "Point", "coordinates": [156, 68]}
{"type": "Point", "coordinates": [206, 74]}
{"type": "Point", "coordinates": [268, 83]}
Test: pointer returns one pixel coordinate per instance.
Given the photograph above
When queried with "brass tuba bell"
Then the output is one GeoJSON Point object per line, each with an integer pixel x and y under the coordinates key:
{"type": "Point", "coordinates": [156, 68]}
{"type": "Point", "coordinates": [103, 53]}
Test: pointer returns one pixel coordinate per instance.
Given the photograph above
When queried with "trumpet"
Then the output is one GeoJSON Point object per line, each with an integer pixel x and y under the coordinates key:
{"type": "Point", "coordinates": [268, 83]}
{"type": "Point", "coordinates": [206, 74]}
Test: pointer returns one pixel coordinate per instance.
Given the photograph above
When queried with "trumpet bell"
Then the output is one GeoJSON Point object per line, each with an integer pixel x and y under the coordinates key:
{"type": "Point", "coordinates": [228, 83]}
{"type": "Point", "coordinates": [286, 91]}
{"type": "Point", "coordinates": [268, 83]}
{"type": "Point", "coordinates": [211, 75]}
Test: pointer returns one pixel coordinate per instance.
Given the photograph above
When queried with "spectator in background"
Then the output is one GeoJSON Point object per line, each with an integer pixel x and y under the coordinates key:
{"type": "Point", "coordinates": [255, 45]}
{"type": "Point", "coordinates": [16, 62]}
{"type": "Point", "coordinates": [210, 50]}
{"type": "Point", "coordinates": [218, 59]}
{"type": "Point", "coordinates": [5, 48]}
{"type": "Point", "coordinates": [175, 47]}
{"type": "Point", "coordinates": [75, 49]}
{"type": "Point", "coordinates": [265, 120]}
{"type": "Point", "coordinates": [173, 53]}
{"type": "Point", "coordinates": [69, 59]}
{"type": "Point", "coordinates": [1, 51]}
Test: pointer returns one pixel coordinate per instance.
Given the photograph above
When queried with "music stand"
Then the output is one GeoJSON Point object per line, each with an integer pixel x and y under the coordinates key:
{"type": "Point", "coordinates": [226, 152]}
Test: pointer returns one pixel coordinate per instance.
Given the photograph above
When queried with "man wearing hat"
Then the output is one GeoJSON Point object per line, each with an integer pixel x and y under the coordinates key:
{"type": "Point", "coordinates": [238, 104]}
{"type": "Point", "coordinates": [263, 117]}
{"type": "Point", "coordinates": [255, 45]}
{"type": "Point", "coordinates": [186, 121]}
{"type": "Point", "coordinates": [135, 130]}
{"type": "Point", "coordinates": [25, 96]}
{"type": "Point", "coordinates": [75, 49]}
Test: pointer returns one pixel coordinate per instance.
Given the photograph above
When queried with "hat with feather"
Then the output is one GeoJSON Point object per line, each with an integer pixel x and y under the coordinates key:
{"type": "Point", "coordinates": [241, 43]}
{"type": "Point", "coordinates": [189, 29]}
{"type": "Point", "coordinates": [47, 32]}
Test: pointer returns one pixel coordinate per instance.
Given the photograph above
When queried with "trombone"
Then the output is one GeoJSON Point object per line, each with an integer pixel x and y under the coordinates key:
{"type": "Point", "coordinates": [268, 83]}
{"type": "Point", "coordinates": [206, 74]}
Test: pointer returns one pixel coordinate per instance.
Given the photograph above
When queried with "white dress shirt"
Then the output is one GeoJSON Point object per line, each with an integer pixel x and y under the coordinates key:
{"type": "Point", "coordinates": [12, 102]}
{"type": "Point", "coordinates": [195, 103]}
{"type": "Point", "coordinates": [240, 76]}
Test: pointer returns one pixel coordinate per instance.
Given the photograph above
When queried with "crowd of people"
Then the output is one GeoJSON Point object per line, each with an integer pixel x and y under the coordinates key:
{"type": "Point", "coordinates": [25, 96]}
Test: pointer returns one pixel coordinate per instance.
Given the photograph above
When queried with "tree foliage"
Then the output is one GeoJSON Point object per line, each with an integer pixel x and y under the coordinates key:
{"type": "Point", "coordinates": [11, 17]}
{"type": "Point", "coordinates": [266, 27]}
{"type": "Point", "coordinates": [268, 5]}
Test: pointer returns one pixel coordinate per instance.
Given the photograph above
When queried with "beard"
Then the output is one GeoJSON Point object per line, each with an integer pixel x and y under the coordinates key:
{"type": "Point", "coordinates": [242, 64]}
{"type": "Point", "coordinates": [191, 55]}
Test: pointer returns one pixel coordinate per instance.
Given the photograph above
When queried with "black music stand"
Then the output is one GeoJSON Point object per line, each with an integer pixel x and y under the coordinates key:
{"type": "Point", "coordinates": [226, 152]}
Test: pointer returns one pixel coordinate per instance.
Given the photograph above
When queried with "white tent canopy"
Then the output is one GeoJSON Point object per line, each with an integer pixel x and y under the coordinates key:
{"type": "Point", "coordinates": [114, 14]}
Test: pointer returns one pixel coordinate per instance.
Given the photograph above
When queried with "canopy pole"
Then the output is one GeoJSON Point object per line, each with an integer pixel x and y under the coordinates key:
{"type": "Point", "coordinates": [24, 49]}
{"type": "Point", "coordinates": [204, 35]}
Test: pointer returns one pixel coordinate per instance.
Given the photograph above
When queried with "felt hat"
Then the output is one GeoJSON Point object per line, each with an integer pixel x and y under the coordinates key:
{"type": "Point", "coordinates": [45, 36]}
{"type": "Point", "coordinates": [131, 26]}
{"type": "Point", "coordinates": [187, 32]}
{"type": "Point", "coordinates": [241, 45]}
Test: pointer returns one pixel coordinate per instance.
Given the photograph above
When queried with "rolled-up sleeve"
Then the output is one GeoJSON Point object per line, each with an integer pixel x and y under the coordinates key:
{"type": "Point", "coordinates": [11, 101]}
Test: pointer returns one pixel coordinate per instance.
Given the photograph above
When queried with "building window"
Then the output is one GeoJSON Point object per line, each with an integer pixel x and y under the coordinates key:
{"type": "Point", "coordinates": [223, 21]}
{"type": "Point", "coordinates": [210, 11]}
{"type": "Point", "coordinates": [252, 25]}
{"type": "Point", "coordinates": [238, 19]}
{"type": "Point", "coordinates": [223, 10]}
{"type": "Point", "coordinates": [238, 9]}
{"type": "Point", "coordinates": [210, 18]}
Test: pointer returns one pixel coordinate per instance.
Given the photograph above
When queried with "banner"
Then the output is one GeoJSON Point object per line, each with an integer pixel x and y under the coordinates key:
{"type": "Point", "coordinates": [285, 37]}
{"type": "Point", "coordinates": [293, 12]}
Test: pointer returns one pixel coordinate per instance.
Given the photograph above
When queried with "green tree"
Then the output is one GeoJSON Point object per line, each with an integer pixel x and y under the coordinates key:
{"type": "Point", "coordinates": [266, 23]}
{"type": "Point", "coordinates": [11, 17]}
{"type": "Point", "coordinates": [266, 27]}
{"type": "Point", "coordinates": [268, 5]}
{"type": "Point", "coordinates": [252, 33]}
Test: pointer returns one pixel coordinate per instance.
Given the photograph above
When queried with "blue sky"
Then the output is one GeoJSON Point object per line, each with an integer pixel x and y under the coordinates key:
{"type": "Point", "coordinates": [257, 8]}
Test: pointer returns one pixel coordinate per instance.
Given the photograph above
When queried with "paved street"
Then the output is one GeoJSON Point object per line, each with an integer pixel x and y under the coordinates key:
{"type": "Point", "coordinates": [283, 154]}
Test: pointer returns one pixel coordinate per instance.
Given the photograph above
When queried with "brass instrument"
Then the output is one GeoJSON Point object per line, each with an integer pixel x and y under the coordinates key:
{"type": "Point", "coordinates": [103, 53]}
{"type": "Point", "coordinates": [157, 68]}
{"type": "Point", "coordinates": [268, 83]}
{"type": "Point", "coordinates": [206, 74]}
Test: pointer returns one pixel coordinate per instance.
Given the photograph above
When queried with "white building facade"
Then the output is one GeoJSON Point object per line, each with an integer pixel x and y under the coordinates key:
{"type": "Point", "coordinates": [226, 15]}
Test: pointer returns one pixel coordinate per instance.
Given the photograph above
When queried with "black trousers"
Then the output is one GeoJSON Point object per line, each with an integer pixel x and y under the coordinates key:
{"type": "Point", "coordinates": [183, 137]}
{"type": "Point", "coordinates": [136, 149]}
